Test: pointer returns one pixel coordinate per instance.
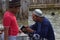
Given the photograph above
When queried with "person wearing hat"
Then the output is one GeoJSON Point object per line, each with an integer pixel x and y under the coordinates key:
{"type": "Point", "coordinates": [9, 20]}
{"type": "Point", "coordinates": [42, 26]}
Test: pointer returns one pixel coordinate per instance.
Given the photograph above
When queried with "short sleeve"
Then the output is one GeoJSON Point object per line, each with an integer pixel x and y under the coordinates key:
{"type": "Point", "coordinates": [6, 21]}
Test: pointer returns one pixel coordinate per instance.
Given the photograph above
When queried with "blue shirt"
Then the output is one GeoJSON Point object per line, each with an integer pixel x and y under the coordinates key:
{"type": "Point", "coordinates": [44, 29]}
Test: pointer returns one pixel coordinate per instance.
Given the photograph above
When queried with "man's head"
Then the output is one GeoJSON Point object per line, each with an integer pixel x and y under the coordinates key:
{"type": "Point", "coordinates": [14, 5]}
{"type": "Point", "coordinates": [37, 15]}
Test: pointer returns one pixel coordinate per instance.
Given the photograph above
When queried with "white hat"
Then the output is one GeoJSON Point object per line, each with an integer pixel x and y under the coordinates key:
{"type": "Point", "coordinates": [38, 12]}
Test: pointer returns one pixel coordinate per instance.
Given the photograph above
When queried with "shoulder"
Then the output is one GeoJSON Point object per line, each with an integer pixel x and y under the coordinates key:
{"type": "Point", "coordinates": [6, 18]}
{"type": "Point", "coordinates": [46, 21]}
{"type": "Point", "coordinates": [7, 15]}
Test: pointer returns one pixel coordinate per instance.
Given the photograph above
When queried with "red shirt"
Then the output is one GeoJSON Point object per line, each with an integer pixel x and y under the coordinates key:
{"type": "Point", "coordinates": [9, 20]}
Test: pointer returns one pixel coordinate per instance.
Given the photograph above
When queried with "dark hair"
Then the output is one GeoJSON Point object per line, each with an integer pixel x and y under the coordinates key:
{"type": "Point", "coordinates": [14, 3]}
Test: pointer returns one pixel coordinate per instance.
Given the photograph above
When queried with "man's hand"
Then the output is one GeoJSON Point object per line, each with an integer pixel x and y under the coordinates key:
{"type": "Point", "coordinates": [26, 26]}
{"type": "Point", "coordinates": [28, 29]}
{"type": "Point", "coordinates": [0, 32]}
{"type": "Point", "coordinates": [20, 31]}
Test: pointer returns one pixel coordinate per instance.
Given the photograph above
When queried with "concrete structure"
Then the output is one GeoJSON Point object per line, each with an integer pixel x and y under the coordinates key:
{"type": "Point", "coordinates": [45, 1]}
{"type": "Point", "coordinates": [44, 4]}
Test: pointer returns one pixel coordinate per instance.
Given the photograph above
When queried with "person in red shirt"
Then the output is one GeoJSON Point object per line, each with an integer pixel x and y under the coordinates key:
{"type": "Point", "coordinates": [9, 20]}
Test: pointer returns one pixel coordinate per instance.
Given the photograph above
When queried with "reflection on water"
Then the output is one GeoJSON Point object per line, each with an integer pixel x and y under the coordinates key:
{"type": "Point", "coordinates": [55, 21]}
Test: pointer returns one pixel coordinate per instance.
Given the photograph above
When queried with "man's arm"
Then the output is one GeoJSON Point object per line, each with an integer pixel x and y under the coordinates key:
{"type": "Point", "coordinates": [0, 32]}
{"type": "Point", "coordinates": [6, 24]}
{"type": "Point", "coordinates": [6, 33]}
{"type": "Point", "coordinates": [29, 29]}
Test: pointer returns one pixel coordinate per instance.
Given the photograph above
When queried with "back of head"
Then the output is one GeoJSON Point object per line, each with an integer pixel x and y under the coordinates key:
{"type": "Point", "coordinates": [14, 3]}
